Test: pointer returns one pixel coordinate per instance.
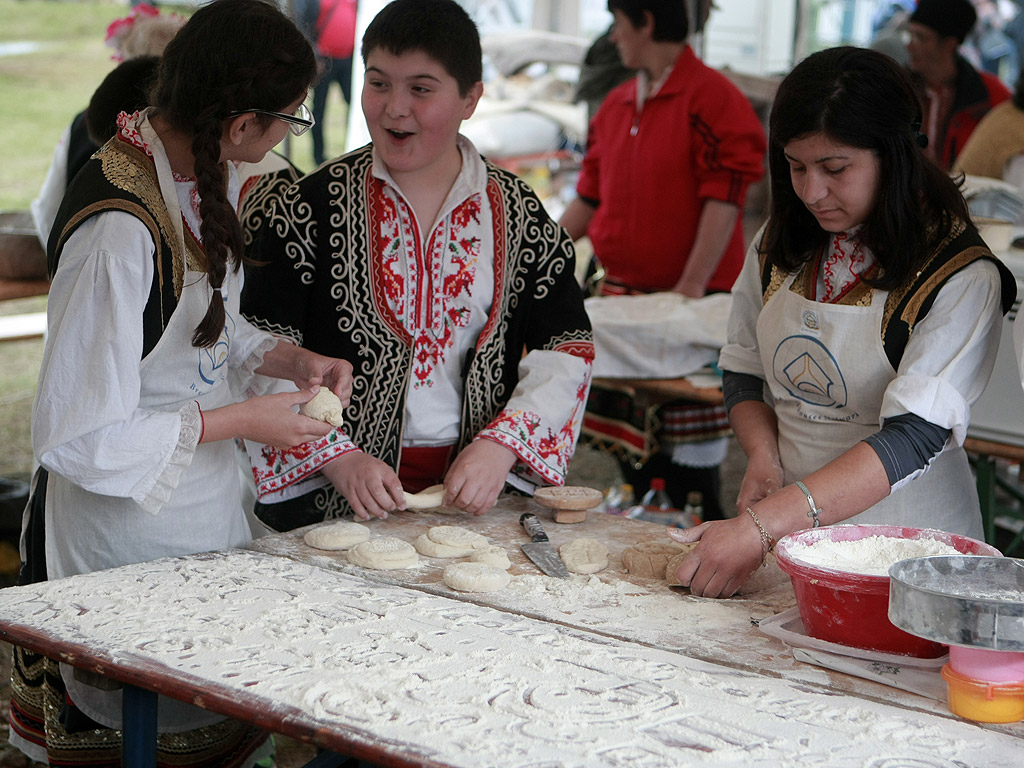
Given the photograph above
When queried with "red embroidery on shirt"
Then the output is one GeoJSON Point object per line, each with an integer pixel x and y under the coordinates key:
{"type": "Point", "coordinates": [842, 271]}
{"type": "Point", "coordinates": [427, 287]}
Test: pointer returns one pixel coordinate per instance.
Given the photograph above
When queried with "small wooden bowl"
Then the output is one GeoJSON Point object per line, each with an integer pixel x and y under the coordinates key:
{"type": "Point", "coordinates": [570, 502]}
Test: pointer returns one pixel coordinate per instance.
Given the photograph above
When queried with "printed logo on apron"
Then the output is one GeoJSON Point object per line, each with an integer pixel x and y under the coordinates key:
{"type": "Point", "coordinates": [212, 359]}
{"type": "Point", "coordinates": [808, 372]}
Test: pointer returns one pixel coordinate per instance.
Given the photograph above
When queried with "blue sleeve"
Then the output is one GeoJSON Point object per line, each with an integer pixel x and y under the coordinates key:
{"type": "Point", "coordinates": [906, 444]}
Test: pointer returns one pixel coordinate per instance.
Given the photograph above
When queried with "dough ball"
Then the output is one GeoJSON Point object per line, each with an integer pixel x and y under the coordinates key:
{"type": "Point", "coordinates": [648, 558]}
{"type": "Point", "coordinates": [384, 554]}
{"type": "Point", "coordinates": [428, 498]}
{"type": "Point", "coordinates": [568, 497]}
{"type": "Point", "coordinates": [475, 577]}
{"type": "Point", "coordinates": [325, 406]}
{"type": "Point", "coordinates": [492, 555]}
{"type": "Point", "coordinates": [675, 562]}
{"type": "Point", "coordinates": [338, 535]}
{"type": "Point", "coordinates": [449, 541]}
{"type": "Point", "coordinates": [584, 555]}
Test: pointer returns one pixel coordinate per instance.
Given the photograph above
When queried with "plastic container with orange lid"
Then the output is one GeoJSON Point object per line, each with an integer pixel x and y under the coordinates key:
{"type": "Point", "coordinates": [983, 701]}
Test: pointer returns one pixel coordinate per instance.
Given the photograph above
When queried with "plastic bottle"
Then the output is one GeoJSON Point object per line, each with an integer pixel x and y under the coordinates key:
{"type": "Point", "coordinates": [655, 505]}
{"type": "Point", "coordinates": [693, 510]}
{"type": "Point", "coordinates": [617, 499]}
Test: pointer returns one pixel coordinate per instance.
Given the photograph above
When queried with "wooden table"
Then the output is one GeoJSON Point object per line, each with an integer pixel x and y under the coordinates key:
{"type": "Point", "coordinates": [394, 667]}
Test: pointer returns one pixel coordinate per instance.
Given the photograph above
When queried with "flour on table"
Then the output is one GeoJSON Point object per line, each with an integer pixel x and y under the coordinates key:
{"type": "Point", "coordinates": [337, 652]}
{"type": "Point", "coordinates": [871, 556]}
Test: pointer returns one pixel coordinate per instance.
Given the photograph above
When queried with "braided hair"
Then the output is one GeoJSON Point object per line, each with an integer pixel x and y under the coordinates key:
{"type": "Point", "coordinates": [231, 55]}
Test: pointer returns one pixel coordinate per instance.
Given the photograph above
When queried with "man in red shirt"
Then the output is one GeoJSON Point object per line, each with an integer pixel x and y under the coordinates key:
{"type": "Point", "coordinates": [955, 96]}
{"type": "Point", "coordinates": [670, 155]}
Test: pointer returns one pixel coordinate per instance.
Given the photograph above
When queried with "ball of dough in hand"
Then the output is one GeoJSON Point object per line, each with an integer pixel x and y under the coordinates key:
{"type": "Point", "coordinates": [428, 498]}
{"type": "Point", "coordinates": [324, 406]}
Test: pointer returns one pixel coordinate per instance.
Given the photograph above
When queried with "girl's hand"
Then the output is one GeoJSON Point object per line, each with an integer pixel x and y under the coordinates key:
{"type": "Point", "coordinates": [477, 476]}
{"type": "Point", "coordinates": [727, 552]}
{"type": "Point", "coordinates": [370, 485]}
{"type": "Point", "coordinates": [269, 419]}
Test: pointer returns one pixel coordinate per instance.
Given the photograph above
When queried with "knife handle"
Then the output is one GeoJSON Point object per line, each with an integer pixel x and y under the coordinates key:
{"type": "Point", "coordinates": [533, 527]}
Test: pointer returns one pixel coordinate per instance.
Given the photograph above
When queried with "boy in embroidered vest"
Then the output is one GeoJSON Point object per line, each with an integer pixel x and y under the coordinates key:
{"type": "Point", "coordinates": [440, 278]}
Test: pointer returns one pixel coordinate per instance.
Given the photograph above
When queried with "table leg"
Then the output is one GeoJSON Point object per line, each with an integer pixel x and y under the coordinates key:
{"type": "Point", "coordinates": [327, 760]}
{"type": "Point", "coordinates": [138, 712]}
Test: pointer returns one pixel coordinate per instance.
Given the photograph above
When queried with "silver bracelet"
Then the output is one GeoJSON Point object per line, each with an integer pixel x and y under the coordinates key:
{"type": "Point", "coordinates": [815, 509]}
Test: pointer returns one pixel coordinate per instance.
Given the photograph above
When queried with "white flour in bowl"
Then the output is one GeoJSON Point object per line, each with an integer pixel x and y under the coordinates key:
{"type": "Point", "coordinates": [871, 556]}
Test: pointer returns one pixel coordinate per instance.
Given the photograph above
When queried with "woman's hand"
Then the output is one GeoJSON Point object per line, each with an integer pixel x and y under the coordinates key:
{"type": "Point", "coordinates": [269, 419]}
{"type": "Point", "coordinates": [370, 485]}
{"type": "Point", "coordinates": [762, 478]}
{"type": "Point", "coordinates": [727, 552]}
{"type": "Point", "coordinates": [477, 476]}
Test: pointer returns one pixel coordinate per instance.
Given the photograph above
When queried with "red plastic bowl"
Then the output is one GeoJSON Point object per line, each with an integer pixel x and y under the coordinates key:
{"type": "Point", "coordinates": [852, 609]}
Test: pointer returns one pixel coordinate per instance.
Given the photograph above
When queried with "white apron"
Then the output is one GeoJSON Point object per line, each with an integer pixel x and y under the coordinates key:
{"type": "Point", "coordinates": [828, 372]}
{"type": "Point", "coordinates": [87, 531]}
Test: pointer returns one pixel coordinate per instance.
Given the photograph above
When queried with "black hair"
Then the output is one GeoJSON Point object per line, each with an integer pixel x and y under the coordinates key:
{"type": "Point", "coordinates": [124, 89]}
{"type": "Point", "coordinates": [863, 99]}
{"type": "Point", "coordinates": [670, 20]}
{"type": "Point", "coordinates": [231, 55]}
{"type": "Point", "coordinates": [439, 28]}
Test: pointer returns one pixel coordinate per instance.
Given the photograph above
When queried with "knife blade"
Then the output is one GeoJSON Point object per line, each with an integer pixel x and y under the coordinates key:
{"type": "Point", "coordinates": [539, 549]}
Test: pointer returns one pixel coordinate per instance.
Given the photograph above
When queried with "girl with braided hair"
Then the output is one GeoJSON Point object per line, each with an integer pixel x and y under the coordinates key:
{"type": "Point", "coordinates": [150, 372]}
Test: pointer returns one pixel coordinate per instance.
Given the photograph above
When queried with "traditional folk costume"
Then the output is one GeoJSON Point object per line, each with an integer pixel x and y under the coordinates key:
{"type": "Point", "coordinates": [838, 358]}
{"type": "Point", "coordinates": [116, 428]}
{"type": "Point", "coordinates": [470, 327]}
{"type": "Point", "coordinates": [652, 161]}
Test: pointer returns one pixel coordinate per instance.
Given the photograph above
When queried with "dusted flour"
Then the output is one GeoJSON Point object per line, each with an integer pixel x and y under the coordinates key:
{"type": "Point", "coordinates": [871, 556]}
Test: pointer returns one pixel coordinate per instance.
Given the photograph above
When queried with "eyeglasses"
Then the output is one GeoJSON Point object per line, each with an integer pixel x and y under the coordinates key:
{"type": "Point", "coordinates": [298, 123]}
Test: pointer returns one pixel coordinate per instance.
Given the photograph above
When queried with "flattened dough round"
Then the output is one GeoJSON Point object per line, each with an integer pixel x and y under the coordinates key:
{"type": "Point", "coordinates": [342, 534]}
{"type": "Point", "coordinates": [648, 558]}
{"type": "Point", "coordinates": [449, 541]}
{"type": "Point", "coordinates": [457, 536]}
{"type": "Point", "coordinates": [475, 577]}
{"type": "Point", "coordinates": [584, 555]}
{"type": "Point", "coordinates": [384, 554]}
{"type": "Point", "coordinates": [428, 498]}
{"type": "Point", "coordinates": [492, 555]}
{"type": "Point", "coordinates": [427, 546]}
{"type": "Point", "coordinates": [323, 406]}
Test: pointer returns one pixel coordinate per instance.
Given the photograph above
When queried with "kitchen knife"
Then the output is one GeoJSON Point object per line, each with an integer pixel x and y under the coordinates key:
{"type": "Point", "coordinates": [539, 550]}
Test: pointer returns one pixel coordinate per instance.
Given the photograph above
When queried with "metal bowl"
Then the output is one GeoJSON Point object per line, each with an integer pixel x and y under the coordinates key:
{"type": "Point", "coordinates": [972, 601]}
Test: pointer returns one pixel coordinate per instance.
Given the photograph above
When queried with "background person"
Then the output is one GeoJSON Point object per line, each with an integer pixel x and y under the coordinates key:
{"type": "Point", "coordinates": [864, 325]}
{"type": "Point", "coordinates": [136, 409]}
{"type": "Point", "coordinates": [954, 95]}
{"type": "Point", "coordinates": [143, 32]}
{"type": "Point", "coordinates": [670, 155]}
{"type": "Point", "coordinates": [330, 25]}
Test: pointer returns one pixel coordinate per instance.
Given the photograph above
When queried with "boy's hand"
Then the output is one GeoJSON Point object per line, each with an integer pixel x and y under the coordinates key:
{"type": "Point", "coordinates": [477, 476]}
{"type": "Point", "coordinates": [332, 372]}
{"type": "Point", "coordinates": [370, 485]}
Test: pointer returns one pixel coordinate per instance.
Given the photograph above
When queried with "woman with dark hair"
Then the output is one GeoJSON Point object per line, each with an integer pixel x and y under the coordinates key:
{"type": "Point", "coordinates": [865, 323]}
{"type": "Point", "coordinates": [136, 411]}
